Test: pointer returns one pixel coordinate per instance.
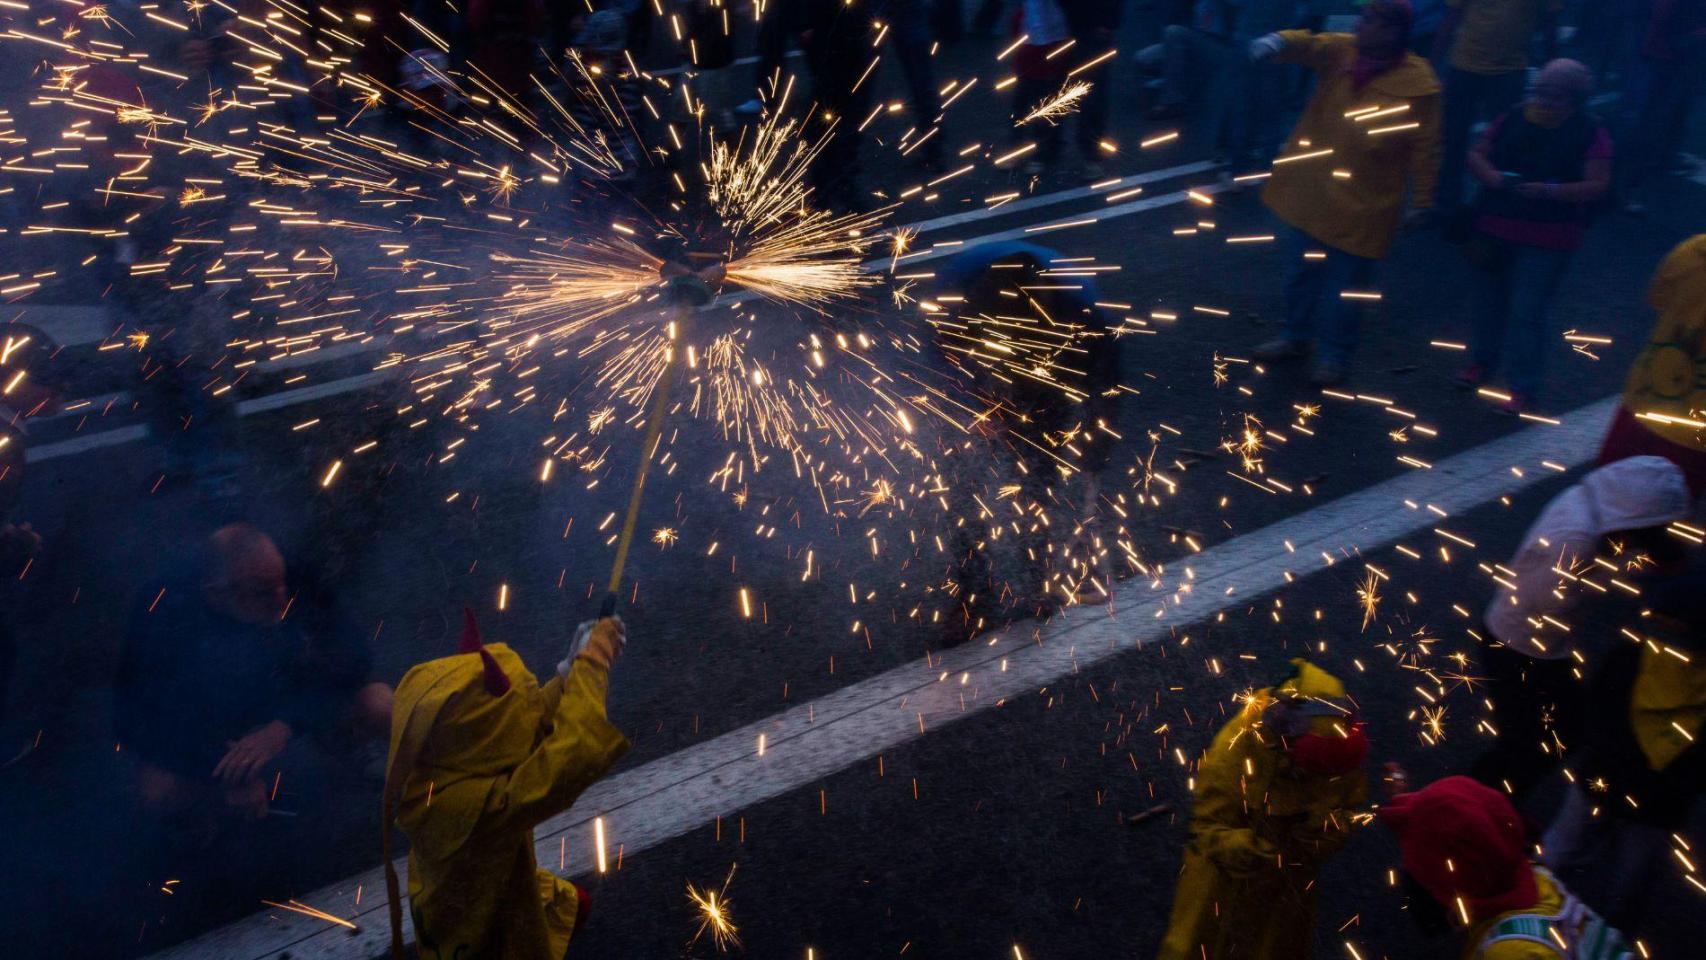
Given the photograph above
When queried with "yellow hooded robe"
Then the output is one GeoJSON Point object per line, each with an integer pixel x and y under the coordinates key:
{"type": "Point", "coordinates": [1260, 830]}
{"type": "Point", "coordinates": [469, 777]}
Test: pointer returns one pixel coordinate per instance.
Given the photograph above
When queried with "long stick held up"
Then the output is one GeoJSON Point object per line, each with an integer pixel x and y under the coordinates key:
{"type": "Point", "coordinates": [685, 292]}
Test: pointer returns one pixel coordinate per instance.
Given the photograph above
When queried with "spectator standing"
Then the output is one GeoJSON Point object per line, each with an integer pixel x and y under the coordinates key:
{"type": "Point", "coordinates": [1485, 43]}
{"type": "Point", "coordinates": [1275, 798]}
{"type": "Point", "coordinates": [1663, 412]}
{"type": "Point", "coordinates": [1369, 131]}
{"type": "Point", "coordinates": [838, 49]}
{"type": "Point", "coordinates": [1049, 25]}
{"type": "Point", "coordinates": [224, 667]}
{"type": "Point", "coordinates": [480, 754]}
{"type": "Point", "coordinates": [1664, 85]}
{"type": "Point", "coordinates": [1208, 60]}
{"type": "Point", "coordinates": [1465, 845]}
{"type": "Point", "coordinates": [1643, 766]}
{"type": "Point", "coordinates": [1542, 169]}
{"type": "Point", "coordinates": [1622, 509]}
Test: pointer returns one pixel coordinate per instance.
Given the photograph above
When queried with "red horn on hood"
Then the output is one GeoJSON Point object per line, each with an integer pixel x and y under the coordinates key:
{"type": "Point", "coordinates": [496, 681]}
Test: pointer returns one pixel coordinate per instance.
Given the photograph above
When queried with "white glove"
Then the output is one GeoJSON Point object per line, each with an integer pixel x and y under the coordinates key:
{"type": "Point", "coordinates": [583, 638]}
{"type": "Point", "coordinates": [1266, 46]}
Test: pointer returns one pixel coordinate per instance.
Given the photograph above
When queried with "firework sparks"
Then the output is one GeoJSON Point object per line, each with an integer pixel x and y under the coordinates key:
{"type": "Point", "coordinates": [714, 918]}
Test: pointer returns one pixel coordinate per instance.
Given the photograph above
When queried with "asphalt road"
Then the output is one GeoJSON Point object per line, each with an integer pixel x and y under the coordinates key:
{"type": "Point", "coordinates": [1011, 828]}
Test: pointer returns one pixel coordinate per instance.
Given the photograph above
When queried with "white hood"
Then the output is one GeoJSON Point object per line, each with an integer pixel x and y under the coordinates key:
{"type": "Point", "coordinates": [1633, 493]}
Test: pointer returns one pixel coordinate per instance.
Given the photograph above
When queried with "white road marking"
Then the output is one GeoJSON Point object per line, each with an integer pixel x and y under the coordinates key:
{"type": "Point", "coordinates": [276, 401]}
{"type": "Point", "coordinates": [659, 801]}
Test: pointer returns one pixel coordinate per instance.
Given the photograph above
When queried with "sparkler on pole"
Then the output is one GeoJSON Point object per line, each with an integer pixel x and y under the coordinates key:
{"type": "Point", "coordinates": [685, 291]}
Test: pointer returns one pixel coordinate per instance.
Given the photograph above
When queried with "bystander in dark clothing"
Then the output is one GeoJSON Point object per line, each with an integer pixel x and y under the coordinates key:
{"type": "Point", "coordinates": [225, 664]}
{"type": "Point", "coordinates": [837, 47]}
{"type": "Point", "coordinates": [1027, 332]}
{"type": "Point", "coordinates": [1486, 51]}
{"type": "Point", "coordinates": [1643, 765]}
{"type": "Point", "coordinates": [1542, 168]}
{"type": "Point", "coordinates": [1664, 85]}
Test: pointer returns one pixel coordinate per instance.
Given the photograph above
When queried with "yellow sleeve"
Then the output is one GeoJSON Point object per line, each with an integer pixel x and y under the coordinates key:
{"type": "Point", "coordinates": [1313, 50]}
{"type": "Point", "coordinates": [1220, 815]}
{"type": "Point", "coordinates": [581, 748]}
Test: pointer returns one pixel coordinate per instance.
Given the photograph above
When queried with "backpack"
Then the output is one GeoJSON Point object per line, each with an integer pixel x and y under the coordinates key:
{"type": "Point", "coordinates": [1576, 932]}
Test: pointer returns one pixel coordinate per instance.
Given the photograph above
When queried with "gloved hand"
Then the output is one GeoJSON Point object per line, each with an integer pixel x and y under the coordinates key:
{"type": "Point", "coordinates": [1266, 46]}
{"type": "Point", "coordinates": [600, 641]}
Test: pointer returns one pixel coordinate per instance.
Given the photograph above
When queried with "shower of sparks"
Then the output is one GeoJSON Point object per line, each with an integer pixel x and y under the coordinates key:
{"type": "Point", "coordinates": [1368, 597]}
{"type": "Point", "coordinates": [714, 918]}
{"type": "Point", "coordinates": [1058, 105]}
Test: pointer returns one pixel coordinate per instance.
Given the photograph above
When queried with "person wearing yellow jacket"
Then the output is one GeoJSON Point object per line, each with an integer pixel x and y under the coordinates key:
{"type": "Point", "coordinates": [1275, 796]}
{"type": "Point", "coordinates": [1663, 412]}
{"type": "Point", "coordinates": [1369, 132]}
{"type": "Point", "coordinates": [480, 754]}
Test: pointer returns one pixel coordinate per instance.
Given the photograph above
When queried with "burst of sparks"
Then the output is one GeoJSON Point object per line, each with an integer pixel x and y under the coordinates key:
{"type": "Point", "coordinates": [714, 917]}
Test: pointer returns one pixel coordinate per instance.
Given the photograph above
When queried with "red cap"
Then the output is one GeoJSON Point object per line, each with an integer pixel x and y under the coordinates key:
{"type": "Point", "coordinates": [1461, 838]}
{"type": "Point", "coordinates": [497, 682]}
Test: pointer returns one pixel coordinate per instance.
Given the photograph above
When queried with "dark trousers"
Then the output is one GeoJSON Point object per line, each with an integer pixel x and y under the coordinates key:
{"type": "Point", "coordinates": [1469, 97]}
{"type": "Point", "coordinates": [1536, 707]}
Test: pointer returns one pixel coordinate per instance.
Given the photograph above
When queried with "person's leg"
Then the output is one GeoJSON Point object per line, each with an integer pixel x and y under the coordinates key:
{"type": "Point", "coordinates": [1302, 287]}
{"type": "Point", "coordinates": [1568, 845]}
{"type": "Point", "coordinates": [1514, 761]}
{"type": "Point", "coordinates": [1341, 316]}
{"type": "Point", "coordinates": [1462, 101]}
{"type": "Point", "coordinates": [1178, 70]}
{"type": "Point", "coordinates": [910, 34]}
{"type": "Point", "coordinates": [1492, 292]}
{"type": "Point", "coordinates": [1534, 278]}
{"type": "Point", "coordinates": [772, 49]}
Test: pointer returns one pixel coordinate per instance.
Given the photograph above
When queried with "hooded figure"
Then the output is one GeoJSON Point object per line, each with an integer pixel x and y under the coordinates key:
{"type": "Point", "coordinates": [1620, 509]}
{"type": "Point", "coordinates": [1276, 793]}
{"type": "Point", "coordinates": [1465, 844]}
{"type": "Point", "coordinates": [1665, 393]}
{"type": "Point", "coordinates": [480, 754]}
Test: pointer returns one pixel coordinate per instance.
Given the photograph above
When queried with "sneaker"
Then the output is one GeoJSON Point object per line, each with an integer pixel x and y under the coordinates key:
{"type": "Point", "coordinates": [1327, 375]}
{"type": "Point", "coordinates": [1470, 377]}
{"type": "Point", "coordinates": [1282, 349]}
{"type": "Point", "coordinates": [751, 108]}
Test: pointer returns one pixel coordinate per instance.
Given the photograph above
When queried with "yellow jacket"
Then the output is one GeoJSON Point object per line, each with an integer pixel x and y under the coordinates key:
{"type": "Point", "coordinates": [1260, 830]}
{"type": "Point", "coordinates": [470, 776]}
{"type": "Point", "coordinates": [1550, 902]}
{"type": "Point", "coordinates": [1390, 137]}
{"type": "Point", "coordinates": [1669, 377]}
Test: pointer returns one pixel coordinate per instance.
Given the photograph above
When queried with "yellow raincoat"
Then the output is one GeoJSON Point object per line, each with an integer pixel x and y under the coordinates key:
{"type": "Point", "coordinates": [1353, 197]}
{"type": "Point", "coordinates": [1669, 377]}
{"type": "Point", "coordinates": [470, 775]}
{"type": "Point", "coordinates": [1260, 830]}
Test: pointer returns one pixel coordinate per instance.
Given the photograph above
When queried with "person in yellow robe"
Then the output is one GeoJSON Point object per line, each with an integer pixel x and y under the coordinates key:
{"type": "Point", "coordinates": [1663, 412]}
{"type": "Point", "coordinates": [1367, 141]}
{"type": "Point", "coordinates": [480, 754]}
{"type": "Point", "coordinates": [1275, 795]}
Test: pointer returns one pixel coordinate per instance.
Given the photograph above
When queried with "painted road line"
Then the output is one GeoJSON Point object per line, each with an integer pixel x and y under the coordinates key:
{"type": "Point", "coordinates": [659, 801]}
{"type": "Point", "coordinates": [288, 398]}
{"type": "Point", "coordinates": [69, 326]}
